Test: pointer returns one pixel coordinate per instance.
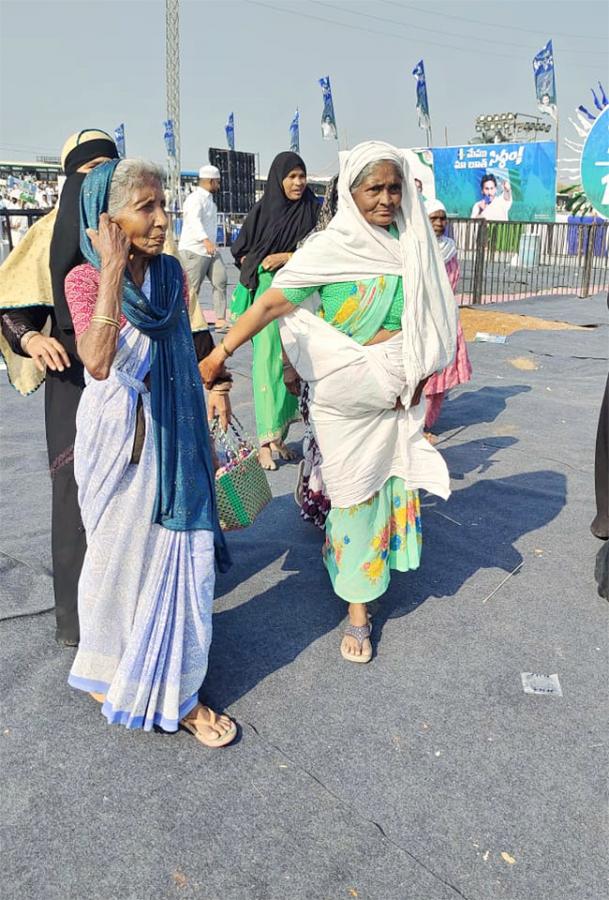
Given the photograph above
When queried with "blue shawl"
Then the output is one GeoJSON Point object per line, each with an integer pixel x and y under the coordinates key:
{"type": "Point", "coordinates": [185, 494]}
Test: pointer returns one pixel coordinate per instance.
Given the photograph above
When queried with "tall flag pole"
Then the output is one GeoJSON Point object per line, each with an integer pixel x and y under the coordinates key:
{"type": "Point", "coordinates": [229, 128]}
{"type": "Point", "coordinates": [295, 133]}
{"type": "Point", "coordinates": [119, 139]}
{"type": "Point", "coordinates": [329, 131]}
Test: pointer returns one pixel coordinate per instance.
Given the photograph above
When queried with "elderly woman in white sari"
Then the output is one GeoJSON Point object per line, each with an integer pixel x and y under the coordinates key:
{"type": "Point", "coordinates": [142, 462]}
{"type": "Point", "coordinates": [383, 320]}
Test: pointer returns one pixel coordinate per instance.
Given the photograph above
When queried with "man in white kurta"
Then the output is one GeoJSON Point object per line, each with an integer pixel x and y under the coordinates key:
{"type": "Point", "coordinates": [197, 245]}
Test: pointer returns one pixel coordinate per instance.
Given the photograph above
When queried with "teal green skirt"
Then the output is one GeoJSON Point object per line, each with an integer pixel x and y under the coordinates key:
{"type": "Point", "coordinates": [365, 542]}
{"type": "Point", "coordinates": [274, 406]}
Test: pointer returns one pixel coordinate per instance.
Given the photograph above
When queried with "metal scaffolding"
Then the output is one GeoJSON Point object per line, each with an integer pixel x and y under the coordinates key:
{"type": "Point", "coordinates": [172, 81]}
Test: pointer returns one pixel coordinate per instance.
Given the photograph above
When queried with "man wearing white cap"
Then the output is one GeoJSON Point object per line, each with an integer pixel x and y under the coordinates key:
{"type": "Point", "coordinates": [197, 244]}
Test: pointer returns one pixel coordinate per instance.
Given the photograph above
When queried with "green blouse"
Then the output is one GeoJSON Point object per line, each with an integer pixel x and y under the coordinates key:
{"type": "Point", "coordinates": [360, 308]}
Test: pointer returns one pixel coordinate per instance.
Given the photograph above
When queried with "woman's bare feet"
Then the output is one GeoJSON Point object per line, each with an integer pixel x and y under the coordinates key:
{"type": "Point", "coordinates": [282, 451]}
{"type": "Point", "coordinates": [208, 727]}
{"type": "Point", "coordinates": [265, 455]}
{"type": "Point", "coordinates": [100, 698]}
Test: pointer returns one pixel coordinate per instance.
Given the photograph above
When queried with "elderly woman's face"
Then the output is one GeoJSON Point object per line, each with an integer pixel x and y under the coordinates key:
{"type": "Point", "coordinates": [144, 219]}
{"type": "Point", "coordinates": [294, 184]}
{"type": "Point", "coordinates": [438, 222]}
{"type": "Point", "coordinates": [379, 195]}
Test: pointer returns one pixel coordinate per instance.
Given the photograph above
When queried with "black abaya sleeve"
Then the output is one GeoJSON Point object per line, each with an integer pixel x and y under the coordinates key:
{"type": "Point", "coordinates": [17, 322]}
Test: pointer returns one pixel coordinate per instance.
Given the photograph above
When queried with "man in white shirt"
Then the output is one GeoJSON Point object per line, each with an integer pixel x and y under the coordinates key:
{"type": "Point", "coordinates": [197, 244]}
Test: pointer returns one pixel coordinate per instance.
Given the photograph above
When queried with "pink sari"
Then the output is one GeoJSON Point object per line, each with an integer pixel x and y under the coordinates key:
{"type": "Point", "coordinates": [458, 372]}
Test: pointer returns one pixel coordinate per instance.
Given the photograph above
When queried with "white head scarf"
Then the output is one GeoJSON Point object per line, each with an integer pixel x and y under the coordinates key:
{"type": "Point", "coordinates": [350, 249]}
{"type": "Point", "coordinates": [446, 245]}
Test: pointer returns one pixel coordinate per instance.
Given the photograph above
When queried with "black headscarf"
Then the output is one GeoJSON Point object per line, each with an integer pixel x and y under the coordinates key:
{"type": "Point", "coordinates": [65, 243]}
{"type": "Point", "coordinates": [275, 224]}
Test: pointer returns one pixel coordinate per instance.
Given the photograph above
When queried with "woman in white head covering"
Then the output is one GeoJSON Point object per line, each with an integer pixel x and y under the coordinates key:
{"type": "Point", "coordinates": [460, 369]}
{"type": "Point", "coordinates": [384, 320]}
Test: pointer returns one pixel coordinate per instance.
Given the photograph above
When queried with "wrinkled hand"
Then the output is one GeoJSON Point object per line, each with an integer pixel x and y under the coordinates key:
{"type": "Point", "coordinates": [110, 241]}
{"type": "Point", "coordinates": [274, 261]}
{"type": "Point", "coordinates": [291, 379]}
{"type": "Point", "coordinates": [218, 405]}
{"type": "Point", "coordinates": [211, 367]}
{"type": "Point", "coordinates": [46, 351]}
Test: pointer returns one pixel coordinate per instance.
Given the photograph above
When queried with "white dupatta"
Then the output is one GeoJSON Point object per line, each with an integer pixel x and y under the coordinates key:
{"type": "Point", "coordinates": [362, 438]}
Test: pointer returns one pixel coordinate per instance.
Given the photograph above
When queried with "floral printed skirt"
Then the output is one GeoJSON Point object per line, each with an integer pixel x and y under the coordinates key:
{"type": "Point", "coordinates": [365, 542]}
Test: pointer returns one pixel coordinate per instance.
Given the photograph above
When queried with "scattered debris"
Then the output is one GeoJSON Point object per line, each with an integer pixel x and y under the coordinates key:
{"type": "Point", "coordinates": [180, 878]}
{"type": "Point", "coordinates": [507, 858]}
{"type": "Point", "coordinates": [536, 683]}
{"type": "Point", "coordinates": [483, 337]}
{"type": "Point", "coordinates": [353, 893]}
{"type": "Point", "coordinates": [538, 551]}
{"type": "Point", "coordinates": [485, 855]}
{"type": "Point", "coordinates": [523, 363]}
{"type": "Point", "coordinates": [507, 577]}
{"type": "Point", "coordinates": [438, 753]}
{"type": "Point", "coordinates": [282, 766]}
{"type": "Point", "coordinates": [444, 516]}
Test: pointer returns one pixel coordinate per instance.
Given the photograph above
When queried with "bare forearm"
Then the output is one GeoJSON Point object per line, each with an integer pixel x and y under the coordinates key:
{"type": "Point", "coordinates": [97, 346]}
{"type": "Point", "coordinates": [268, 307]}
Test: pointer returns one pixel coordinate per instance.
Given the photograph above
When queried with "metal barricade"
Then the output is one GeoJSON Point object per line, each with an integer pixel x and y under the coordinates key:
{"type": "Point", "coordinates": [503, 261]}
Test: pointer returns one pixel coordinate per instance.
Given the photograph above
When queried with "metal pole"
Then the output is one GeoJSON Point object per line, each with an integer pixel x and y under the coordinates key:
{"type": "Point", "coordinates": [479, 260]}
{"type": "Point", "coordinates": [172, 86]}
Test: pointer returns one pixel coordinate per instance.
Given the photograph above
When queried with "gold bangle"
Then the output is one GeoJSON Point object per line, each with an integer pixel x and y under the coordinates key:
{"type": "Point", "coordinates": [106, 320]}
{"type": "Point", "coordinates": [225, 348]}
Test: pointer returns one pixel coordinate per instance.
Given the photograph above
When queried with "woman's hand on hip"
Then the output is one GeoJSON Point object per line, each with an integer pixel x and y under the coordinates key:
{"type": "Point", "coordinates": [46, 351]}
{"type": "Point", "coordinates": [110, 241]}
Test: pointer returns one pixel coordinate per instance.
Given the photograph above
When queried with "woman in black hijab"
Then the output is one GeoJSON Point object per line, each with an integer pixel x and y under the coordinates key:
{"type": "Point", "coordinates": [286, 213]}
{"type": "Point", "coordinates": [64, 374]}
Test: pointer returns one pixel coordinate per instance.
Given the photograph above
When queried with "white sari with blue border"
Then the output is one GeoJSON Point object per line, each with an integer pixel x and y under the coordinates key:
{"type": "Point", "coordinates": [145, 594]}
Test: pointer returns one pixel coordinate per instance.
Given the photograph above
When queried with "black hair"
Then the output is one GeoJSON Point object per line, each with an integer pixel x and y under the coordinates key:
{"type": "Point", "coordinates": [486, 178]}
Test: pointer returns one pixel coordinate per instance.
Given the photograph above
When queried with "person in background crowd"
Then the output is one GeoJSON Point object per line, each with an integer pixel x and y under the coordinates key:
{"type": "Point", "coordinates": [197, 244]}
{"type": "Point", "coordinates": [460, 369]}
{"type": "Point", "coordinates": [386, 322]}
{"type": "Point", "coordinates": [54, 354]}
{"type": "Point", "coordinates": [270, 234]}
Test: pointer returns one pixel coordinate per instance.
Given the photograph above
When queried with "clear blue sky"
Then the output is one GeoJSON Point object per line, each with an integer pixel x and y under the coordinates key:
{"type": "Point", "coordinates": [69, 65]}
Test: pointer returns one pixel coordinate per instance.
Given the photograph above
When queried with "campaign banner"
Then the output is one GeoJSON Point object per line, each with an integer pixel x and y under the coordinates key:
{"type": "Point", "coordinates": [497, 182]}
{"type": "Point", "coordinates": [420, 163]}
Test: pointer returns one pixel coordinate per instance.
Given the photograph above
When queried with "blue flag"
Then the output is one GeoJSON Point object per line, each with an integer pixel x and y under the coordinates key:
{"type": "Point", "coordinates": [230, 132]}
{"type": "Point", "coordinates": [545, 83]}
{"type": "Point", "coordinates": [295, 133]}
{"type": "Point", "coordinates": [119, 139]}
{"type": "Point", "coordinates": [329, 131]}
{"type": "Point", "coordinates": [169, 138]}
{"type": "Point", "coordinates": [422, 101]}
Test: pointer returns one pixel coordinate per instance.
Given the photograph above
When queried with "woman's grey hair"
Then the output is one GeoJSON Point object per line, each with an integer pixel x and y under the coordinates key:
{"type": "Point", "coordinates": [129, 175]}
{"type": "Point", "coordinates": [369, 169]}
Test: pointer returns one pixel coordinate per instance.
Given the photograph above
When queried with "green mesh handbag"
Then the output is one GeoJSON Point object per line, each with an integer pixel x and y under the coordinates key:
{"type": "Point", "coordinates": [242, 489]}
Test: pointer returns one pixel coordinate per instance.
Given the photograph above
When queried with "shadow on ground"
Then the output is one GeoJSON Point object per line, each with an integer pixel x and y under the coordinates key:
{"type": "Point", "coordinates": [255, 638]}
